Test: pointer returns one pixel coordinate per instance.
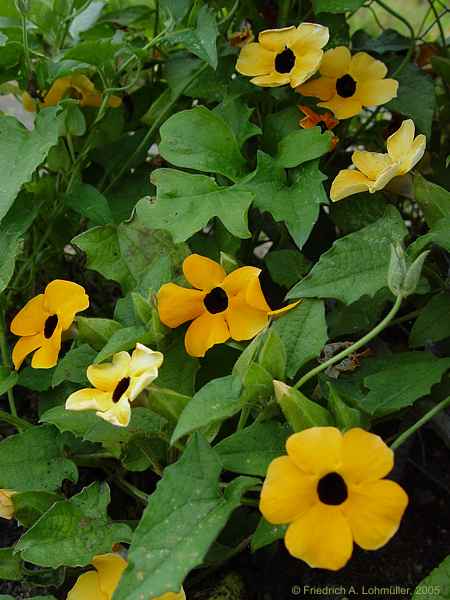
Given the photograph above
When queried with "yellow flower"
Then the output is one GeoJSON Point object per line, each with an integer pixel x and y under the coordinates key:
{"type": "Point", "coordinates": [330, 490]}
{"type": "Point", "coordinates": [74, 86]}
{"type": "Point", "coordinates": [102, 583]}
{"type": "Point", "coordinates": [348, 83]}
{"type": "Point", "coordinates": [6, 504]}
{"type": "Point", "coordinates": [220, 306]}
{"type": "Point", "coordinates": [42, 320]}
{"type": "Point", "coordinates": [289, 55]}
{"type": "Point", "coordinates": [375, 170]}
{"type": "Point", "coordinates": [116, 384]}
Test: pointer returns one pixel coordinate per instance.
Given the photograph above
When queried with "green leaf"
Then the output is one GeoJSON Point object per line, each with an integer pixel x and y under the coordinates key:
{"type": "Point", "coordinates": [72, 367]}
{"type": "Point", "coordinates": [86, 19]}
{"type": "Point", "coordinates": [178, 370]}
{"type": "Point", "coordinates": [199, 139]}
{"type": "Point", "coordinates": [390, 40]}
{"type": "Point", "coordinates": [442, 66]}
{"type": "Point", "coordinates": [286, 267]}
{"type": "Point", "coordinates": [167, 403]}
{"type": "Point", "coordinates": [336, 6]}
{"type": "Point", "coordinates": [237, 114]}
{"type": "Point", "coordinates": [356, 265]}
{"type": "Point", "coordinates": [77, 422]}
{"type": "Point", "coordinates": [401, 380]}
{"type": "Point", "coordinates": [358, 211]}
{"type": "Point", "coordinates": [266, 533]}
{"type": "Point", "coordinates": [10, 565]}
{"type": "Point", "coordinates": [8, 379]}
{"type": "Point", "coordinates": [185, 203]}
{"type": "Point", "coordinates": [345, 416]}
{"type": "Point", "coordinates": [96, 332]}
{"type": "Point", "coordinates": [300, 412]}
{"type": "Point", "coordinates": [433, 199]}
{"type": "Point", "coordinates": [90, 203]}
{"type": "Point", "coordinates": [34, 460]}
{"type": "Point", "coordinates": [303, 145]}
{"type": "Point", "coordinates": [22, 151]}
{"type": "Point", "coordinates": [38, 380]}
{"type": "Point", "coordinates": [436, 585]}
{"type": "Point", "coordinates": [98, 52]}
{"type": "Point", "coordinates": [184, 516]}
{"type": "Point", "coordinates": [439, 234]}
{"type": "Point", "coordinates": [72, 531]}
{"type": "Point", "coordinates": [303, 331]}
{"type": "Point", "coordinates": [416, 97]}
{"type": "Point", "coordinates": [432, 324]}
{"type": "Point", "coordinates": [123, 339]}
{"type": "Point", "coordinates": [201, 41]}
{"type": "Point", "coordinates": [30, 506]}
{"type": "Point", "coordinates": [214, 402]}
{"type": "Point", "coordinates": [272, 355]}
{"type": "Point", "coordinates": [251, 450]}
{"type": "Point", "coordinates": [298, 204]}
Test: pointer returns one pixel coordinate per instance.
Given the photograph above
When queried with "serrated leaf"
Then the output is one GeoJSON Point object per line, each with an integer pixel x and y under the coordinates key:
{"type": "Point", "coordinates": [437, 583]}
{"type": "Point", "coordinates": [251, 450]}
{"type": "Point", "coordinates": [199, 139]}
{"type": "Point", "coordinates": [356, 265]}
{"type": "Point", "coordinates": [266, 533]}
{"type": "Point", "coordinates": [214, 402]}
{"type": "Point", "coordinates": [184, 516]}
{"type": "Point", "coordinates": [303, 331]}
{"type": "Point", "coordinates": [432, 324]}
{"type": "Point", "coordinates": [72, 367]}
{"type": "Point", "coordinates": [34, 460]}
{"type": "Point", "coordinates": [22, 151]}
{"type": "Point", "coordinates": [185, 203]}
{"type": "Point", "coordinates": [303, 145]}
{"type": "Point", "coordinates": [72, 531]}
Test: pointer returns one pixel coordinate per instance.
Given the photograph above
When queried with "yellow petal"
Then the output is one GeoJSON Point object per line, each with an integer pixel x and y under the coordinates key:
{"type": "Point", "coordinates": [321, 537]}
{"type": "Point", "coordinates": [173, 596]}
{"type": "Point", "coordinates": [114, 101]}
{"type": "Point", "coordinates": [6, 504]}
{"type": "Point", "coordinates": [57, 91]}
{"type": "Point", "coordinates": [107, 375]}
{"type": "Point", "coordinates": [28, 102]}
{"type": "Point", "coordinates": [335, 62]}
{"type": "Point", "coordinates": [144, 360]}
{"type": "Point", "coordinates": [177, 304]}
{"type": "Point", "coordinates": [399, 143]}
{"type": "Point", "coordinates": [365, 457]}
{"type": "Point", "coordinates": [316, 451]}
{"type": "Point", "coordinates": [89, 399]}
{"type": "Point", "coordinates": [371, 164]}
{"type": "Point", "coordinates": [348, 182]}
{"type": "Point", "coordinates": [287, 492]}
{"type": "Point", "coordinates": [244, 320]}
{"type": "Point", "coordinates": [274, 79]}
{"type": "Point", "coordinates": [374, 511]}
{"type": "Point", "coordinates": [280, 311]}
{"type": "Point", "coordinates": [65, 299]}
{"type": "Point", "coordinates": [238, 280]}
{"type": "Point", "coordinates": [310, 36]}
{"type": "Point", "coordinates": [31, 318]}
{"type": "Point", "coordinates": [254, 296]}
{"type": "Point", "coordinates": [343, 108]}
{"type": "Point", "coordinates": [376, 91]}
{"type": "Point", "coordinates": [110, 568]}
{"type": "Point", "coordinates": [306, 65]}
{"type": "Point", "coordinates": [46, 356]}
{"type": "Point", "coordinates": [119, 414]}
{"type": "Point", "coordinates": [415, 154]}
{"type": "Point", "coordinates": [138, 384]}
{"type": "Point", "coordinates": [93, 100]}
{"type": "Point", "coordinates": [323, 88]}
{"type": "Point", "coordinates": [276, 40]}
{"type": "Point", "coordinates": [24, 346]}
{"type": "Point", "coordinates": [255, 60]}
{"type": "Point", "coordinates": [364, 67]}
{"type": "Point", "coordinates": [384, 178]}
{"type": "Point", "coordinates": [82, 83]}
{"type": "Point", "coordinates": [87, 588]}
{"type": "Point", "coordinates": [202, 272]}
{"type": "Point", "coordinates": [204, 332]}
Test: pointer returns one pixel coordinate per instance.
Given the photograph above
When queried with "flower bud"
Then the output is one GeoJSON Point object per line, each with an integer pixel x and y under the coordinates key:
{"type": "Point", "coordinates": [413, 275]}
{"type": "Point", "coordinates": [397, 269]}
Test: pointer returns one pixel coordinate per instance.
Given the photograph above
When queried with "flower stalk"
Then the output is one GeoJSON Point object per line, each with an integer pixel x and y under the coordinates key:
{"type": "Point", "coordinates": [426, 417]}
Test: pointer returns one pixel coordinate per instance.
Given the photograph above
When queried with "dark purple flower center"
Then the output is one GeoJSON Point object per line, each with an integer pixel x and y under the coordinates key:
{"type": "Point", "coordinates": [332, 489]}
{"type": "Point", "coordinates": [120, 389]}
{"type": "Point", "coordinates": [50, 326]}
{"type": "Point", "coordinates": [216, 300]}
{"type": "Point", "coordinates": [284, 61]}
{"type": "Point", "coordinates": [346, 86]}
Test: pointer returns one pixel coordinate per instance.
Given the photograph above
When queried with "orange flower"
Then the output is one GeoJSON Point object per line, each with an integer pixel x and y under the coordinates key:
{"type": "Point", "coordinates": [325, 121]}
{"type": "Point", "coordinates": [239, 39]}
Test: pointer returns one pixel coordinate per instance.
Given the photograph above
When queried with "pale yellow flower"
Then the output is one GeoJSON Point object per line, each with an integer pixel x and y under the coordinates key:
{"type": "Point", "coordinates": [6, 504]}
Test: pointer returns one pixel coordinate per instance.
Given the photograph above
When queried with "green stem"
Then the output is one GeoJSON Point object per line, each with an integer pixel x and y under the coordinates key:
{"type": "Point", "coordinates": [153, 128]}
{"type": "Point", "coordinates": [26, 50]}
{"type": "Point", "coordinates": [243, 418]}
{"type": "Point", "coordinates": [359, 344]}
{"type": "Point", "coordinates": [132, 490]}
{"type": "Point", "coordinates": [15, 421]}
{"type": "Point", "coordinates": [6, 361]}
{"type": "Point", "coordinates": [411, 315]}
{"type": "Point", "coordinates": [283, 12]}
{"type": "Point", "coordinates": [439, 24]}
{"type": "Point", "coordinates": [411, 31]}
{"type": "Point", "coordinates": [426, 417]}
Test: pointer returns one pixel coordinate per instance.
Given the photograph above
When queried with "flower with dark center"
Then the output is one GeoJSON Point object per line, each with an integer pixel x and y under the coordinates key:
{"type": "Point", "coordinates": [330, 490]}
{"type": "Point", "coordinates": [348, 83]}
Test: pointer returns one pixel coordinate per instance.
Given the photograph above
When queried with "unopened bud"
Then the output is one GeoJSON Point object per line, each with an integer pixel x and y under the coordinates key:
{"type": "Point", "coordinates": [397, 269]}
{"type": "Point", "coordinates": [413, 275]}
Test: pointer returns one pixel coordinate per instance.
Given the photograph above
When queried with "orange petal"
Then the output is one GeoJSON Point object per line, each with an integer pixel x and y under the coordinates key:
{"type": "Point", "coordinates": [244, 320]}
{"type": "Point", "coordinates": [376, 91]}
{"type": "Point", "coordinates": [254, 59]}
{"type": "Point", "coordinates": [238, 280]}
{"type": "Point", "coordinates": [46, 356]}
{"type": "Point", "coordinates": [177, 304]}
{"type": "Point", "coordinates": [343, 108]}
{"type": "Point", "coordinates": [31, 318]}
{"type": "Point", "coordinates": [322, 87]}
{"type": "Point", "coordinates": [87, 588]}
{"type": "Point", "coordinates": [317, 450]}
{"type": "Point", "coordinates": [110, 568]}
{"type": "Point", "coordinates": [276, 40]}
{"type": "Point", "coordinates": [202, 272]}
{"type": "Point", "coordinates": [24, 346]}
{"type": "Point", "coordinates": [365, 457]}
{"type": "Point", "coordinates": [335, 62]}
{"type": "Point", "coordinates": [364, 67]}
{"type": "Point", "coordinates": [204, 332]}
{"type": "Point", "coordinates": [65, 298]}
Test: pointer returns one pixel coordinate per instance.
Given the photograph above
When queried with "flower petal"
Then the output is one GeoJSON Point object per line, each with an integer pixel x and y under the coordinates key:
{"type": "Point", "coordinates": [144, 359]}
{"type": "Point", "coordinates": [238, 280]}
{"type": "Point", "coordinates": [316, 451]}
{"type": "Point", "coordinates": [57, 90]}
{"type": "Point", "coordinates": [119, 414]}
{"type": "Point", "coordinates": [310, 36]}
{"type": "Point", "coordinates": [348, 182]}
{"type": "Point", "coordinates": [202, 272]}
{"type": "Point", "coordinates": [204, 332]}
{"type": "Point", "coordinates": [365, 457]}
{"type": "Point", "coordinates": [306, 65]}
{"type": "Point", "coordinates": [89, 399]}
{"type": "Point", "coordinates": [274, 79]}
{"type": "Point", "coordinates": [280, 311]}
{"type": "Point", "coordinates": [24, 346]}
{"type": "Point", "coordinates": [173, 596]}
{"type": "Point", "coordinates": [106, 376]}
{"type": "Point", "coordinates": [46, 356]}
{"type": "Point", "coordinates": [376, 91]}
{"type": "Point", "coordinates": [335, 62]}
{"type": "Point", "coordinates": [140, 383]}
{"type": "Point", "coordinates": [371, 164]}
{"type": "Point", "coordinates": [287, 492]}
{"type": "Point", "coordinates": [110, 568]}
{"type": "Point", "coordinates": [244, 320]}
{"type": "Point", "coordinates": [276, 40]}
{"type": "Point", "coordinates": [31, 318]}
{"type": "Point", "coordinates": [416, 153]}
{"type": "Point", "coordinates": [87, 588]}
{"type": "Point", "coordinates": [255, 60]}
{"type": "Point", "coordinates": [321, 537]}
{"type": "Point", "coordinates": [399, 143]}
{"type": "Point", "coordinates": [343, 108]}
{"type": "Point", "coordinates": [364, 67]}
{"type": "Point", "coordinates": [323, 88]}
{"type": "Point", "coordinates": [65, 299]}
{"type": "Point", "coordinates": [177, 304]}
{"type": "Point", "coordinates": [254, 296]}
{"type": "Point", "coordinates": [6, 504]}
{"type": "Point", "coordinates": [374, 511]}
